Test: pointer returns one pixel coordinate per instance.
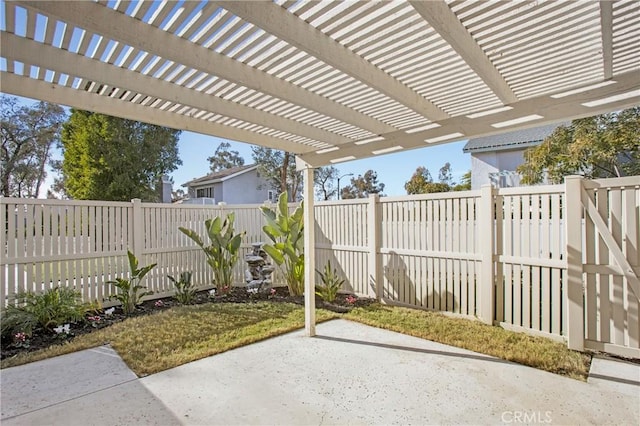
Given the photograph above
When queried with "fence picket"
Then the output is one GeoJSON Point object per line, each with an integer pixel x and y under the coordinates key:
{"type": "Point", "coordinates": [632, 251]}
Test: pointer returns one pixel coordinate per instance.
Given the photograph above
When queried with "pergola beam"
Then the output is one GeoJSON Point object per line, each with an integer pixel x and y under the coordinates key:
{"type": "Point", "coordinates": [48, 57]}
{"type": "Point", "coordinates": [275, 20]}
{"type": "Point", "coordinates": [606, 26]}
{"type": "Point", "coordinates": [123, 28]}
{"type": "Point", "coordinates": [550, 110]}
{"type": "Point", "coordinates": [444, 21]}
{"type": "Point", "coordinates": [59, 94]}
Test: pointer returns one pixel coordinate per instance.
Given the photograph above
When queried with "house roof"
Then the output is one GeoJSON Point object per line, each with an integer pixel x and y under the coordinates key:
{"type": "Point", "coordinates": [221, 176]}
{"type": "Point", "coordinates": [328, 81]}
{"type": "Point", "coordinates": [511, 140]}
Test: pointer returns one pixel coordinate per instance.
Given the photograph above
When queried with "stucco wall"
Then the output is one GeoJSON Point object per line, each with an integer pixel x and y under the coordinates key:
{"type": "Point", "coordinates": [484, 163]}
{"type": "Point", "coordinates": [243, 189]}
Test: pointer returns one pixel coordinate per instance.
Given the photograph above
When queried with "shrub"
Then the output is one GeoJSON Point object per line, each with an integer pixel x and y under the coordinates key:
{"type": "Point", "coordinates": [185, 291]}
{"type": "Point", "coordinates": [287, 251]}
{"type": "Point", "coordinates": [222, 253]}
{"type": "Point", "coordinates": [331, 283]}
{"type": "Point", "coordinates": [47, 310]}
{"type": "Point", "coordinates": [130, 292]}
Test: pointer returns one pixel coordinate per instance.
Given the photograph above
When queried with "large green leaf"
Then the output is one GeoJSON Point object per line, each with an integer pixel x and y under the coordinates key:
{"type": "Point", "coordinates": [235, 242]}
{"type": "Point", "coordinates": [272, 232]}
{"type": "Point", "coordinates": [193, 235]}
{"type": "Point", "coordinates": [133, 262]}
{"type": "Point", "coordinates": [297, 215]}
{"type": "Point", "coordinates": [268, 213]}
{"type": "Point", "coordinates": [270, 216]}
{"type": "Point", "coordinates": [274, 254]}
{"type": "Point", "coordinates": [289, 251]}
{"type": "Point", "coordinates": [283, 205]}
{"type": "Point", "coordinates": [213, 226]}
{"type": "Point", "coordinates": [144, 271]}
{"type": "Point", "coordinates": [231, 217]}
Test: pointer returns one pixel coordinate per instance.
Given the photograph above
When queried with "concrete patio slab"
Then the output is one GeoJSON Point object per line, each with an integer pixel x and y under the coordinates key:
{"type": "Point", "coordinates": [52, 381]}
{"type": "Point", "coordinates": [349, 374]}
{"type": "Point", "coordinates": [616, 375]}
{"type": "Point", "coordinates": [355, 374]}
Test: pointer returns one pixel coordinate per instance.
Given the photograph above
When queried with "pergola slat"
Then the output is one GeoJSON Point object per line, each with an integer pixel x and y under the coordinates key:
{"type": "Point", "coordinates": [276, 20]}
{"type": "Point", "coordinates": [118, 26]}
{"type": "Point", "coordinates": [31, 88]}
{"type": "Point", "coordinates": [332, 80]}
{"type": "Point", "coordinates": [445, 22]}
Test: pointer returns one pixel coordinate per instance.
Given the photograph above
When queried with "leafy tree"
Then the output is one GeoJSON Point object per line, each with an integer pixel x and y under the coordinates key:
{"type": "Point", "coordinates": [178, 194]}
{"type": "Point", "coordinates": [223, 158]}
{"type": "Point", "coordinates": [422, 183]}
{"type": "Point", "coordinates": [278, 168]}
{"type": "Point", "coordinates": [324, 180]}
{"type": "Point", "coordinates": [465, 183]}
{"type": "Point", "coordinates": [445, 176]}
{"type": "Point", "coordinates": [109, 158]}
{"type": "Point", "coordinates": [363, 186]}
{"type": "Point", "coordinates": [606, 145]}
{"type": "Point", "coordinates": [28, 134]}
{"type": "Point", "coordinates": [418, 180]}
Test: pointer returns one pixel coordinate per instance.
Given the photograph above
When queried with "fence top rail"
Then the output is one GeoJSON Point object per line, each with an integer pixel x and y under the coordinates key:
{"type": "Point", "coordinates": [341, 202]}
{"type": "Point", "coordinates": [433, 196]}
{"type": "Point", "coordinates": [221, 207]}
{"type": "Point", "coordinates": [63, 203]}
{"type": "Point", "coordinates": [532, 190]}
{"type": "Point", "coordinates": [621, 182]}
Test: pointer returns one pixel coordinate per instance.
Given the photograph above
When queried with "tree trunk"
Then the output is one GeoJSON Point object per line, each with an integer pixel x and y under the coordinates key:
{"type": "Point", "coordinates": [283, 174]}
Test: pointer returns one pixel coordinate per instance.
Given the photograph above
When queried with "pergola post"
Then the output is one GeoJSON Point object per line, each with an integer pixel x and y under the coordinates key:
{"type": "Point", "coordinates": [309, 250]}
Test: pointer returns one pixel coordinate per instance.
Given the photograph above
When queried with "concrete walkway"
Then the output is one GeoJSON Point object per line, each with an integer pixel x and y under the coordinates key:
{"type": "Point", "coordinates": [349, 374]}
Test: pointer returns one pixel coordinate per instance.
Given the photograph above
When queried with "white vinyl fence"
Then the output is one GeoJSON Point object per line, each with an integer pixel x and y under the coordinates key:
{"type": "Point", "coordinates": [83, 244]}
{"type": "Point", "coordinates": [496, 254]}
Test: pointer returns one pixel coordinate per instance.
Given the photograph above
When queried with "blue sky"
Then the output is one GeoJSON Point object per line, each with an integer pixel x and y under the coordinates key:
{"type": "Point", "coordinates": [393, 169]}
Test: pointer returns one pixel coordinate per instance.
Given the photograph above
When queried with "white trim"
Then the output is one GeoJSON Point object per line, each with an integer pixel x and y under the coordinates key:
{"type": "Point", "coordinates": [196, 185]}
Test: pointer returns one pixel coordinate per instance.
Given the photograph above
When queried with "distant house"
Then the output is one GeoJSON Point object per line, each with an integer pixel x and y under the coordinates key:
{"type": "Point", "coordinates": [494, 159]}
{"type": "Point", "coordinates": [238, 185]}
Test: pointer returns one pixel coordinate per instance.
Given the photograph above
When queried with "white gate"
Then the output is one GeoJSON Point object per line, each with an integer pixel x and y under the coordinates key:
{"type": "Point", "coordinates": [610, 262]}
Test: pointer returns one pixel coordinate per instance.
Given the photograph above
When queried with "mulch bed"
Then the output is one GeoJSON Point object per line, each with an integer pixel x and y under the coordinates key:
{"type": "Point", "coordinates": [42, 339]}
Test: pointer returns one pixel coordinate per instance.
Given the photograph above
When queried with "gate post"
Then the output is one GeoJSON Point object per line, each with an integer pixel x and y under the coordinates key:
{"type": "Point", "coordinates": [138, 229]}
{"type": "Point", "coordinates": [373, 237]}
{"type": "Point", "coordinates": [575, 290]}
{"type": "Point", "coordinates": [486, 215]}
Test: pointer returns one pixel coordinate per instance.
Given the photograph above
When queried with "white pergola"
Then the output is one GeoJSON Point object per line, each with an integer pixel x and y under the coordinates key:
{"type": "Point", "coordinates": [329, 81]}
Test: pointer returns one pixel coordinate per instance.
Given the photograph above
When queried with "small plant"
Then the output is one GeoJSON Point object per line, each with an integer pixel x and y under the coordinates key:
{"type": "Point", "coordinates": [65, 328]}
{"type": "Point", "coordinates": [130, 292]}
{"type": "Point", "coordinates": [222, 253]}
{"type": "Point", "coordinates": [331, 283]}
{"type": "Point", "coordinates": [94, 320]}
{"type": "Point", "coordinates": [287, 250]}
{"type": "Point", "coordinates": [185, 291]}
{"type": "Point", "coordinates": [47, 310]}
{"type": "Point", "coordinates": [351, 299]}
{"type": "Point", "coordinates": [20, 340]}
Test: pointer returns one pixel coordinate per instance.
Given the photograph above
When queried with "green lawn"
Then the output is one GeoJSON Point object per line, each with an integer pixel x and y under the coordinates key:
{"type": "Point", "coordinates": [152, 343]}
{"type": "Point", "coordinates": [149, 344]}
{"type": "Point", "coordinates": [537, 352]}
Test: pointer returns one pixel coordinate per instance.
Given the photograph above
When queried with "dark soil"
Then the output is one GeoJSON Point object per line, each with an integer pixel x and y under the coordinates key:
{"type": "Point", "coordinates": [42, 338]}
